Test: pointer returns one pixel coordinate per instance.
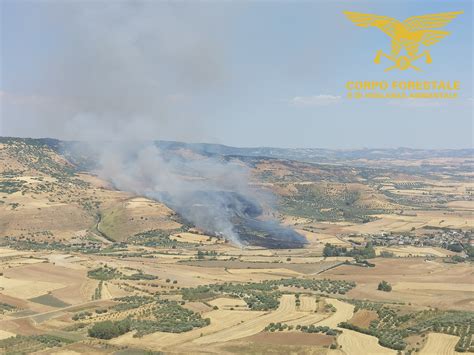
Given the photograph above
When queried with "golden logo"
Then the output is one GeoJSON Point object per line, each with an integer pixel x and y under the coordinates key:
{"type": "Point", "coordinates": [409, 34]}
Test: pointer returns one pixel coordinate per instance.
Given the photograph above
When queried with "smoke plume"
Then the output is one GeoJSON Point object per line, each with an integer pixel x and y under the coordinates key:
{"type": "Point", "coordinates": [128, 73]}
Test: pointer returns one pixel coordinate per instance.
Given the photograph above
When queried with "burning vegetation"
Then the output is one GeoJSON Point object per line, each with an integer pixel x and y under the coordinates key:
{"type": "Point", "coordinates": [211, 210]}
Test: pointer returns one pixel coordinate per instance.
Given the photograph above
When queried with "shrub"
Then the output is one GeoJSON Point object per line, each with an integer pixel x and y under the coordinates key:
{"type": "Point", "coordinates": [368, 252]}
{"type": "Point", "coordinates": [104, 273]}
{"type": "Point", "coordinates": [81, 315]}
{"type": "Point", "coordinates": [387, 254]}
{"type": "Point", "coordinates": [109, 329]}
{"type": "Point", "coordinates": [384, 286]}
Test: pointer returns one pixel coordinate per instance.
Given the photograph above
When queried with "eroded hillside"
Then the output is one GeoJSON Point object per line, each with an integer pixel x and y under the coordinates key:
{"type": "Point", "coordinates": [43, 196]}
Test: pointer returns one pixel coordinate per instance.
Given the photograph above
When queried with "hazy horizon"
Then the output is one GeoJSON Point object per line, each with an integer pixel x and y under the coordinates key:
{"type": "Point", "coordinates": [240, 74]}
{"type": "Point", "coordinates": [263, 146]}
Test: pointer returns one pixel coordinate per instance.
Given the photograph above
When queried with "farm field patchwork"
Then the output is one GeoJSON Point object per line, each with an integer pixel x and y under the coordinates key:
{"type": "Point", "coordinates": [387, 266]}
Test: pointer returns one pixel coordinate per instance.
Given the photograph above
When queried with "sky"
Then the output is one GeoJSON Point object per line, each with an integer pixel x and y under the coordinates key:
{"type": "Point", "coordinates": [240, 73]}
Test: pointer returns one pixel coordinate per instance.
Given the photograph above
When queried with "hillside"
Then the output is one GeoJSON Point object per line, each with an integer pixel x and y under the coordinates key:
{"type": "Point", "coordinates": [43, 196]}
{"type": "Point", "coordinates": [86, 268]}
{"type": "Point", "coordinates": [49, 191]}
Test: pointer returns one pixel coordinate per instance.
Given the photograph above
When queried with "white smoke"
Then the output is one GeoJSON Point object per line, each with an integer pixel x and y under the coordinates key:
{"type": "Point", "coordinates": [123, 71]}
{"type": "Point", "coordinates": [141, 168]}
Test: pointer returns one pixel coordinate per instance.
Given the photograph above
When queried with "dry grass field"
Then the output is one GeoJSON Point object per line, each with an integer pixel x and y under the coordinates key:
{"type": "Point", "coordinates": [404, 223]}
{"type": "Point", "coordinates": [24, 289]}
{"type": "Point", "coordinates": [406, 251]}
{"type": "Point", "coordinates": [291, 338]}
{"type": "Point", "coordinates": [75, 252]}
{"type": "Point", "coordinates": [354, 343]}
{"type": "Point", "coordinates": [4, 334]}
{"type": "Point", "coordinates": [195, 238]}
{"type": "Point", "coordinates": [415, 280]}
{"type": "Point", "coordinates": [440, 344]}
{"type": "Point", "coordinates": [134, 216]}
{"type": "Point", "coordinates": [220, 321]}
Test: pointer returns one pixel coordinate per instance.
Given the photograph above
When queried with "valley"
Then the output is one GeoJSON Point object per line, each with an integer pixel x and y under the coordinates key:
{"type": "Point", "coordinates": [88, 268]}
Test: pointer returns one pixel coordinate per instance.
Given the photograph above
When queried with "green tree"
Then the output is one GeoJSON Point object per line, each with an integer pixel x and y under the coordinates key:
{"type": "Point", "coordinates": [384, 286]}
{"type": "Point", "coordinates": [109, 329]}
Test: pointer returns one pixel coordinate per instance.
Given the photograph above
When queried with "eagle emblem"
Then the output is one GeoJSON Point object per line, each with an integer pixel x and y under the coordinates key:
{"type": "Point", "coordinates": [409, 35]}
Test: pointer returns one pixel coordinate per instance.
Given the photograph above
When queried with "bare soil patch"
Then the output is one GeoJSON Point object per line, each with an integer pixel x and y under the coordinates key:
{"type": "Point", "coordinates": [363, 317]}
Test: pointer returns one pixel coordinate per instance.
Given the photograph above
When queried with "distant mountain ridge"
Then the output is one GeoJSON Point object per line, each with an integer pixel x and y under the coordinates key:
{"type": "Point", "coordinates": [312, 155]}
{"type": "Point", "coordinates": [319, 154]}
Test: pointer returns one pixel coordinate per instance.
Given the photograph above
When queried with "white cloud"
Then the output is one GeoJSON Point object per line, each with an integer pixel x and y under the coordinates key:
{"type": "Point", "coordinates": [316, 100]}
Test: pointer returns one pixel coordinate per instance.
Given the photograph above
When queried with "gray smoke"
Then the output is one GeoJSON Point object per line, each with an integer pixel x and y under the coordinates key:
{"type": "Point", "coordinates": [211, 193]}
{"type": "Point", "coordinates": [183, 184]}
{"type": "Point", "coordinates": [124, 73]}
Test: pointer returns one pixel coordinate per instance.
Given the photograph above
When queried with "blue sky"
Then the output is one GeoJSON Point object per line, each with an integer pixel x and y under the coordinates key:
{"type": "Point", "coordinates": [237, 73]}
